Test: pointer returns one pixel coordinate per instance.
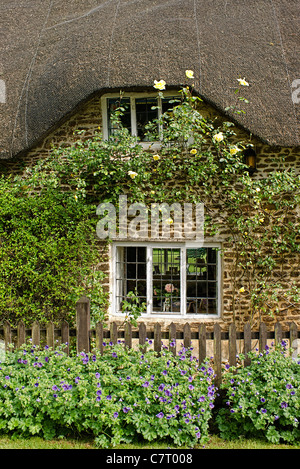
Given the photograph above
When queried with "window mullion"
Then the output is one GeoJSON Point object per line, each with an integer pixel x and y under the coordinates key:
{"type": "Point", "coordinates": [133, 117]}
{"type": "Point", "coordinates": [149, 288]}
{"type": "Point", "coordinates": [183, 282]}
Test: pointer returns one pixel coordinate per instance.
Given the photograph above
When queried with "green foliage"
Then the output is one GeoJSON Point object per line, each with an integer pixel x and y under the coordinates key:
{"type": "Point", "coordinates": [47, 247]}
{"type": "Point", "coordinates": [48, 224]}
{"type": "Point", "coordinates": [133, 308]}
{"type": "Point", "coordinates": [117, 397]}
{"type": "Point", "coordinates": [263, 399]}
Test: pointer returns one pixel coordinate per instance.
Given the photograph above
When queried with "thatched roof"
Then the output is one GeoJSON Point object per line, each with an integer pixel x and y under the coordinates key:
{"type": "Point", "coordinates": [55, 54]}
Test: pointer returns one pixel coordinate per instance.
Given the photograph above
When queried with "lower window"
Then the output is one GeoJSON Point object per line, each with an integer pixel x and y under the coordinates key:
{"type": "Point", "coordinates": [171, 280]}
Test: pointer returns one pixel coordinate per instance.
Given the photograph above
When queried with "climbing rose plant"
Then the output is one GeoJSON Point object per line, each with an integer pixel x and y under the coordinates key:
{"type": "Point", "coordinates": [198, 161]}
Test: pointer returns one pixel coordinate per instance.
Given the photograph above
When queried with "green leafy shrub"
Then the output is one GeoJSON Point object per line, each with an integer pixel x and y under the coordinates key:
{"type": "Point", "coordinates": [47, 248]}
{"type": "Point", "coordinates": [120, 396]}
{"type": "Point", "coordinates": [263, 399]}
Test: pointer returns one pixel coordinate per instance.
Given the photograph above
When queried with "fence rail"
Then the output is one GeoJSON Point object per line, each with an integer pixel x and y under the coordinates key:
{"type": "Point", "coordinates": [206, 343]}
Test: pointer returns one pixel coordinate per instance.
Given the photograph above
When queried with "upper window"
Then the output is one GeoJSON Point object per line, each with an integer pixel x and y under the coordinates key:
{"type": "Point", "coordinates": [139, 110]}
{"type": "Point", "coordinates": [171, 279]}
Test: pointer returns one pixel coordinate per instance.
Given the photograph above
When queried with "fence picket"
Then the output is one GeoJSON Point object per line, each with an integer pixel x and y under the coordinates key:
{"type": "Point", "coordinates": [157, 337]}
{"type": "Point", "coordinates": [114, 332]}
{"type": "Point", "coordinates": [142, 334]}
{"type": "Point", "coordinates": [172, 337]}
{"type": "Point", "coordinates": [217, 355]}
{"type": "Point", "coordinates": [262, 336]}
{"type": "Point", "coordinates": [99, 337]}
{"type": "Point", "coordinates": [187, 336]}
{"type": "Point", "coordinates": [7, 335]}
{"type": "Point", "coordinates": [247, 343]}
{"type": "Point", "coordinates": [65, 336]}
{"type": "Point", "coordinates": [83, 324]}
{"type": "Point", "coordinates": [232, 344]}
{"type": "Point", "coordinates": [293, 336]}
{"type": "Point", "coordinates": [128, 335]}
{"type": "Point", "coordinates": [278, 333]}
{"type": "Point", "coordinates": [36, 333]}
{"type": "Point", "coordinates": [83, 333]}
{"type": "Point", "coordinates": [21, 334]}
{"type": "Point", "coordinates": [202, 342]}
{"type": "Point", "coordinates": [50, 335]}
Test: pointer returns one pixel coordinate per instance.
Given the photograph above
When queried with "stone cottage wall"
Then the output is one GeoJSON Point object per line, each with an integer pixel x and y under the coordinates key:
{"type": "Point", "coordinates": [87, 120]}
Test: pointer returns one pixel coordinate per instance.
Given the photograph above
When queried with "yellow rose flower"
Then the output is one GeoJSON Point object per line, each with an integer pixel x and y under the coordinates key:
{"type": "Point", "coordinates": [156, 157]}
{"type": "Point", "coordinates": [159, 85]}
{"type": "Point", "coordinates": [189, 73]}
{"type": "Point", "coordinates": [193, 151]}
{"type": "Point", "coordinates": [218, 137]}
{"type": "Point", "coordinates": [242, 290]}
{"type": "Point", "coordinates": [234, 150]}
{"type": "Point", "coordinates": [132, 174]}
{"type": "Point", "coordinates": [242, 82]}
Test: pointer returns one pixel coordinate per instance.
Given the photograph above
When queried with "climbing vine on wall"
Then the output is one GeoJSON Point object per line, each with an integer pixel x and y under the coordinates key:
{"type": "Point", "coordinates": [48, 214]}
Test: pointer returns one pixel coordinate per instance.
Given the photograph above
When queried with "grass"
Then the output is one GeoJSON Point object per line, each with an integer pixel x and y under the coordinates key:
{"type": "Point", "coordinates": [214, 443]}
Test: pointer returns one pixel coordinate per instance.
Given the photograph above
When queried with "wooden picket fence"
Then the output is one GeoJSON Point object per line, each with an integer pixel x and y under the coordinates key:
{"type": "Point", "coordinates": [206, 343]}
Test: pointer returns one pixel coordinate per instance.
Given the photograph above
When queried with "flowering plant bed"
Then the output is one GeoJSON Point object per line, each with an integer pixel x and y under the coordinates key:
{"type": "Point", "coordinates": [118, 397]}
{"type": "Point", "coordinates": [263, 399]}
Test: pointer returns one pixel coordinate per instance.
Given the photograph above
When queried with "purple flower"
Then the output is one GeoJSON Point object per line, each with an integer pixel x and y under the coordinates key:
{"type": "Point", "coordinates": [263, 411]}
{"type": "Point", "coordinates": [160, 415]}
{"type": "Point", "coordinates": [284, 405]}
{"type": "Point", "coordinates": [114, 355]}
{"type": "Point", "coordinates": [191, 387]}
{"type": "Point", "coordinates": [165, 372]}
{"type": "Point", "coordinates": [145, 384]}
{"type": "Point", "coordinates": [262, 399]}
{"type": "Point", "coordinates": [108, 397]}
{"type": "Point", "coordinates": [97, 375]}
{"type": "Point", "coordinates": [126, 409]}
{"type": "Point", "coordinates": [161, 387]}
{"type": "Point", "coordinates": [116, 414]}
{"type": "Point", "coordinates": [54, 388]}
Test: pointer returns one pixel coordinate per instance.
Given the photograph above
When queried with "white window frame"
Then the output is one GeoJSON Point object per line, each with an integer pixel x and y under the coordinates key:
{"type": "Point", "coordinates": [133, 96]}
{"type": "Point", "coordinates": [183, 246]}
